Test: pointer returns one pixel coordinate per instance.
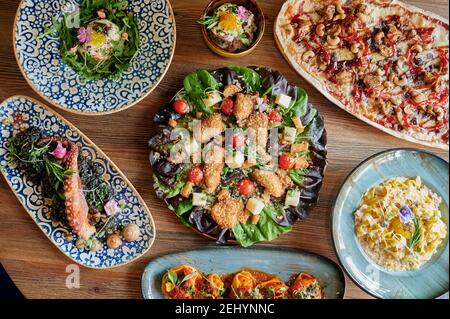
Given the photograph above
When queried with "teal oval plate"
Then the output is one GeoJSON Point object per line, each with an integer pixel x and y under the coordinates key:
{"type": "Point", "coordinates": [225, 260]}
{"type": "Point", "coordinates": [429, 281]}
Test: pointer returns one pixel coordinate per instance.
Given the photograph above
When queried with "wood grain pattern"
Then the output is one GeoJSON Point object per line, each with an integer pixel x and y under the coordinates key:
{"type": "Point", "coordinates": [38, 268]}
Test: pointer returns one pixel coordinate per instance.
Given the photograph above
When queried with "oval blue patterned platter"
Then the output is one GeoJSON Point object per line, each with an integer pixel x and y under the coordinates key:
{"type": "Point", "coordinates": [429, 281]}
{"type": "Point", "coordinates": [18, 113]}
{"type": "Point", "coordinates": [40, 62]}
{"type": "Point", "coordinates": [226, 260]}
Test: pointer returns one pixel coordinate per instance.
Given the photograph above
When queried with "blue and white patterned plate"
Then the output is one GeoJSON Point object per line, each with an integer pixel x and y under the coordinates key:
{"type": "Point", "coordinates": [40, 62]}
{"type": "Point", "coordinates": [20, 112]}
{"type": "Point", "coordinates": [429, 281]}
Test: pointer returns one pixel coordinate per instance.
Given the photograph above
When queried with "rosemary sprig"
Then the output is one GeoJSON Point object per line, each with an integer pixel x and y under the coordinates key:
{"type": "Point", "coordinates": [56, 173]}
{"type": "Point", "coordinates": [30, 156]}
{"type": "Point", "coordinates": [35, 156]}
{"type": "Point", "coordinates": [417, 235]}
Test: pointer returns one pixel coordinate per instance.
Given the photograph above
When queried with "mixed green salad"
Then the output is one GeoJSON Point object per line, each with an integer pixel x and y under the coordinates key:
{"type": "Point", "coordinates": [239, 154]}
{"type": "Point", "coordinates": [104, 43]}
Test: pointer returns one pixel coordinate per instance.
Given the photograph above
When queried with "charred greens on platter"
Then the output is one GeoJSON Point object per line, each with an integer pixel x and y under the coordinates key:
{"type": "Point", "coordinates": [220, 183]}
{"type": "Point", "coordinates": [103, 44]}
{"type": "Point", "coordinates": [75, 193]}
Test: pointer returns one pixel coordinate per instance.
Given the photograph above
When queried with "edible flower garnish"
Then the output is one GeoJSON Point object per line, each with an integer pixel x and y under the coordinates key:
{"type": "Point", "coordinates": [101, 14]}
{"type": "Point", "coordinates": [242, 13]}
{"type": "Point", "coordinates": [84, 35]}
{"type": "Point", "coordinates": [406, 215]}
{"type": "Point", "coordinates": [59, 152]}
{"type": "Point", "coordinates": [112, 207]}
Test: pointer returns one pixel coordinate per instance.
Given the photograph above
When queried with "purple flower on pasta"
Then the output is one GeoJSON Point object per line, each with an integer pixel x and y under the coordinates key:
{"type": "Point", "coordinates": [406, 215]}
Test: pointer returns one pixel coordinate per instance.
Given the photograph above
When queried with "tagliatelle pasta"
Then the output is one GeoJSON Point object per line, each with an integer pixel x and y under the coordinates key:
{"type": "Point", "coordinates": [399, 223]}
{"type": "Point", "coordinates": [274, 288]}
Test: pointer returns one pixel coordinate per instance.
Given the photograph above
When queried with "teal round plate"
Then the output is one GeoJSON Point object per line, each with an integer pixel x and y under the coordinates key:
{"type": "Point", "coordinates": [429, 281]}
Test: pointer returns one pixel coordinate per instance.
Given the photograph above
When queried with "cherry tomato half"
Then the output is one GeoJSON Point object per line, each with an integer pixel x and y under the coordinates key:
{"type": "Point", "coordinates": [227, 106]}
{"type": "Point", "coordinates": [286, 161]}
{"type": "Point", "coordinates": [181, 106]}
{"type": "Point", "coordinates": [237, 141]}
{"type": "Point", "coordinates": [275, 116]}
{"type": "Point", "coordinates": [246, 187]}
{"type": "Point", "coordinates": [195, 175]}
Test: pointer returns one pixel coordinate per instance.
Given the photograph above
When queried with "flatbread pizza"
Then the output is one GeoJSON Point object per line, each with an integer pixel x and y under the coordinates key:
{"type": "Point", "coordinates": [385, 62]}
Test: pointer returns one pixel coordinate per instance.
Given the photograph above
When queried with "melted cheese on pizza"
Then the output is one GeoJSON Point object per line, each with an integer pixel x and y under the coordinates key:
{"type": "Point", "coordinates": [379, 59]}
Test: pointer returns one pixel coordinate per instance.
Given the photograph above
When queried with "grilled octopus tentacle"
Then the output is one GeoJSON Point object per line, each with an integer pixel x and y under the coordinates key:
{"type": "Point", "coordinates": [77, 209]}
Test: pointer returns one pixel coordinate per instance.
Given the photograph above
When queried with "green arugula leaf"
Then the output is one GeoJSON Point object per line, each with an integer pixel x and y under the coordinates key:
{"type": "Point", "coordinates": [170, 192]}
{"type": "Point", "coordinates": [123, 51]}
{"type": "Point", "coordinates": [56, 174]}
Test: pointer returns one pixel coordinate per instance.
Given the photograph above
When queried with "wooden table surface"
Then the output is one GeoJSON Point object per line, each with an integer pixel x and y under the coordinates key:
{"type": "Point", "coordinates": [38, 268]}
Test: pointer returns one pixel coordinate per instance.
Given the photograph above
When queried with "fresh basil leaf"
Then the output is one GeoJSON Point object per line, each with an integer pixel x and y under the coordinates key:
{"type": "Point", "coordinates": [297, 108]}
{"type": "Point", "coordinates": [196, 85]}
{"type": "Point", "coordinates": [184, 207]}
{"type": "Point", "coordinates": [251, 77]}
{"type": "Point", "coordinates": [172, 277]}
{"type": "Point", "coordinates": [266, 229]}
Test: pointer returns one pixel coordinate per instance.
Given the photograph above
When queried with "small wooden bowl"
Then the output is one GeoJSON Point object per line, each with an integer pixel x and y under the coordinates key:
{"type": "Point", "coordinates": [251, 5]}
